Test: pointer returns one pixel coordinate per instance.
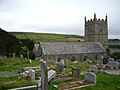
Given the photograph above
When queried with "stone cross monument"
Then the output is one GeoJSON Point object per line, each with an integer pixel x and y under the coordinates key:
{"type": "Point", "coordinates": [44, 75]}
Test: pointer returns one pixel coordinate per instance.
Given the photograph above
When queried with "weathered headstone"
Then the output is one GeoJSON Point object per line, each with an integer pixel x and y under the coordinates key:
{"type": "Point", "coordinates": [118, 60]}
{"type": "Point", "coordinates": [51, 74]}
{"type": "Point", "coordinates": [64, 71]}
{"type": "Point", "coordinates": [94, 68]}
{"type": "Point", "coordinates": [101, 57]}
{"type": "Point", "coordinates": [91, 77]}
{"type": "Point", "coordinates": [21, 62]}
{"type": "Point", "coordinates": [13, 55]}
{"type": "Point", "coordinates": [111, 60]}
{"type": "Point", "coordinates": [44, 75]}
{"type": "Point", "coordinates": [30, 60]}
{"type": "Point", "coordinates": [32, 74]}
{"type": "Point", "coordinates": [100, 63]}
{"type": "Point", "coordinates": [61, 65]}
{"type": "Point", "coordinates": [113, 65]}
{"type": "Point", "coordinates": [76, 72]}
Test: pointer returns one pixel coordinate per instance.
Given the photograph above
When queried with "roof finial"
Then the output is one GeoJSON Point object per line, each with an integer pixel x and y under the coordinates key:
{"type": "Point", "coordinates": [94, 15]}
{"type": "Point", "coordinates": [106, 17]}
{"type": "Point", "coordinates": [85, 18]}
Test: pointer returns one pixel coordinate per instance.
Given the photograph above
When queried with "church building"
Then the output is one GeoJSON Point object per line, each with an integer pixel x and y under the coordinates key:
{"type": "Point", "coordinates": [94, 45]}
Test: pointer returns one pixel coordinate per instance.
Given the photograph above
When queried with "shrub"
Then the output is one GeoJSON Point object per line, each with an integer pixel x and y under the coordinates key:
{"type": "Point", "coordinates": [116, 55]}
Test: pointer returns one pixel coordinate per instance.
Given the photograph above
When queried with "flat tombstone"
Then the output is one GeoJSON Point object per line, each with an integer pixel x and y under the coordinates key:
{"type": "Point", "coordinates": [44, 75]}
{"type": "Point", "coordinates": [75, 72]}
{"type": "Point", "coordinates": [91, 77]}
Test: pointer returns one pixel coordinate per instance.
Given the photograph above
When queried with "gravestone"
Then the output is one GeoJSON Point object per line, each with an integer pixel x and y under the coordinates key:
{"type": "Point", "coordinates": [94, 68]}
{"type": "Point", "coordinates": [118, 60]}
{"type": "Point", "coordinates": [21, 62]}
{"type": "Point", "coordinates": [76, 72]}
{"type": "Point", "coordinates": [51, 74]}
{"type": "Point", "coordinates": [32, 74]}
{"type": "Point", "coordinates": [101, 57]}
{"type": "Point", "coordinates": [44, 75]}
{"type": "Point", "coordinates": [13, 55]}
{"type": "Point", "coordinates": [64, 71]}
{"type": "Point", "coordinates": [61, 65]}
{"type": "Point", "coordinates": [111, 60]}
{"type": "Point", "coordinates": [91, 77]}
{"type": "Point", "coordinates": [75, 62]}
{"type": "Point", "coordinates": [113, 65]}
{"type": "Point", "coordinates": [30, 60]}
{"type": "Point", "coordinates": [100, 63]}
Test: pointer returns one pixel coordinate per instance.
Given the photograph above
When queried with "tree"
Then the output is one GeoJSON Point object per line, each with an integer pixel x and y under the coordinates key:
{"type": "Point", "coordinates": [8, 43]}
{"type": "Point", "coordinates": [28, 43]}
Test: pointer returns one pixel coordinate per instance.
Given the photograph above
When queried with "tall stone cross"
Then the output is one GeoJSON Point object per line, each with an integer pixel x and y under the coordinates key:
{"type": "Point", "coordinates": [44, 75]}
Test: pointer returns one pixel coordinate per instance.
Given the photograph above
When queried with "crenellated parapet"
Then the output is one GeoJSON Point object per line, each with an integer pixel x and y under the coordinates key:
{"type": "Point", "coordinates": [95, 20]}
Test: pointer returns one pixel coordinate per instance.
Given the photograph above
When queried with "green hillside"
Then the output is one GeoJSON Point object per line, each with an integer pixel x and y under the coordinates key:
{"type": "Point", "coordinates": [37, 37]}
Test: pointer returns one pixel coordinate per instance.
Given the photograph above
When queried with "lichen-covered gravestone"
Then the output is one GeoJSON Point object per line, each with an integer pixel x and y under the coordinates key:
{"type": "Point", "coordinates": [91, 77]}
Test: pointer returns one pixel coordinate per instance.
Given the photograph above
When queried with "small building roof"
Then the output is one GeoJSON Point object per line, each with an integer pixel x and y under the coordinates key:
{"type": "Point", "coordinates": [58, 48]}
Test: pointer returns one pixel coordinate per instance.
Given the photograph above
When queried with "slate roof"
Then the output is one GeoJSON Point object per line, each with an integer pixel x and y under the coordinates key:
{"type": "Point", "coordinates": [56, 48]}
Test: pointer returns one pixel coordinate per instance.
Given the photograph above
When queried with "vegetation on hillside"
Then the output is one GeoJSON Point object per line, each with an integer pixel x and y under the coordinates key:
{"type": "Point", "coordinates": [48, 37]}
{"type": "Point", "coordinates": [9, 44]}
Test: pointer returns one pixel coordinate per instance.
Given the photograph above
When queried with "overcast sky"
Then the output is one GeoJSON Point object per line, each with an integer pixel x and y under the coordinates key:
{"type": "Point", "coordinates": [57, 16]}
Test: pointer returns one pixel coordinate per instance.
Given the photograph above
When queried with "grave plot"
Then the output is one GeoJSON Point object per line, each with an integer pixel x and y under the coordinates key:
{"type": "Point", "coordinates": [90, 79]}
{"type": "Point", "coordinates": [74, 85]}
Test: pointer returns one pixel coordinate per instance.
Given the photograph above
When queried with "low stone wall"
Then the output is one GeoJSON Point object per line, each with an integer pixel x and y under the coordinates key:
{"type": "Point", "coordinates": [34, 87]}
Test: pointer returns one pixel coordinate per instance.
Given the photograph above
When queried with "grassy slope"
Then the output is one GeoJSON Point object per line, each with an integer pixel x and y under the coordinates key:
{"type": "Point", "coordinates": [48, 37]}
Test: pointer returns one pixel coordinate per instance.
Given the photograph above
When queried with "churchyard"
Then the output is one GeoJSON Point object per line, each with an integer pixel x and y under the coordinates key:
{"type": "Point", "coordinates": [75, 75]}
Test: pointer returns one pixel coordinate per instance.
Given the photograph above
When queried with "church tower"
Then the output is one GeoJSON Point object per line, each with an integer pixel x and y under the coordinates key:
{"type": "Point", "coordinates": [96, 30]}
